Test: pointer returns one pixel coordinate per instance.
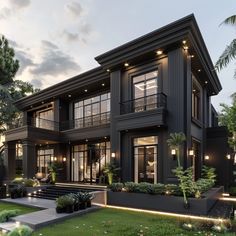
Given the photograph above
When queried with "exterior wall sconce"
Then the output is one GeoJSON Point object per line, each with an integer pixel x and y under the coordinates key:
{"type": "Point", "coordinates": [73, 159]}
{"type": "Point", "coordinates": [191, 152]}
{"type": "Point", "coordinates": [173, 153]}
{"type": "Point", "coordinates": [52, 158]}
{"type": "Point", "coordinates": [113, 154]}
{"type": "Point", "coordinates": [228, 157]}
{"type": "Point", "coordinates": [206, 157]}
{"type": "Point", "coordinates": [64, 159]}
{"type": "Point", "coordinates": [55, 158]}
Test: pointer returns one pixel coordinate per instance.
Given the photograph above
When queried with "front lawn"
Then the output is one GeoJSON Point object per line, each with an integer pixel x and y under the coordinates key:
{"type": "Point", "coordinates": [11, 206]}
{"type": "Point", "coordinates": [119, 222]}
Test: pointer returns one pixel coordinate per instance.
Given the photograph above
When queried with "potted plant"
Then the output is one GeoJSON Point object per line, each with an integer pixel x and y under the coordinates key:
{"type": "Point", "coordinates": [76, 201]}
{"type": "Point", "coordinates": [88, 197]}
{"type": "Point", "coordinates": [65, 204]}
{"type": "Point", "coordinates": [111, 170]}
{"type": "Point", "coordinates": [82, 200]}
{"type": "Point", "coordinates": [53, 169]}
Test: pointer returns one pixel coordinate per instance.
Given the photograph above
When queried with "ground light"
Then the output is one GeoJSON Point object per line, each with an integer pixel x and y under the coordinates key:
{"type": "Point", "coordinates": [165, 213]}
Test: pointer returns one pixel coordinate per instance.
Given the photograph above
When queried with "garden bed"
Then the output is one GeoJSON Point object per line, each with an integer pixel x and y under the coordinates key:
{"type": "Point", "coordinates": [165, 203]}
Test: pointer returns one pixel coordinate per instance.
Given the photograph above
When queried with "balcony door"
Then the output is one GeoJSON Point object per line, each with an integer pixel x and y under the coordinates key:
{"type": "Point", "coordinates": [145, 89]}
{"type": "Point", "coordinates": [145, 159]}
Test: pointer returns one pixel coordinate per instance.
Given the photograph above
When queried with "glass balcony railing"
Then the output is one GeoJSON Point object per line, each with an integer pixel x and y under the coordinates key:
{"type": "Point", "coordinates": [144, 103]}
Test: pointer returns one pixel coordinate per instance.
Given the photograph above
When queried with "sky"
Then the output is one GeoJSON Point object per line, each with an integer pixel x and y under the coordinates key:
{"type": "Point", "coordinates": [57, 39]}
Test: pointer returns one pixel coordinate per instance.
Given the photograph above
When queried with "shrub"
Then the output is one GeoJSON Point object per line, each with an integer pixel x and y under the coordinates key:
{"type": "Point", "coordinates": [23, 230]}
{"type": "Point", "coordinates": [232, 191]}
{"type": "Point", "coordinates": [26, 182]}
{"type": "Point", "coordinates": [18, 191]}
{"type": "Point", "coordinates": [5, 215]}
{"type": "Point", "coordinates": [131, 187]}
{"type": "Point", "coordinates": [209, 173]}
{"type": "Point", "coordinates": [116, 187]}
{"type": "Point", "coordinates": [156, 188]}
{"type": "Point", "coordinates": [143, 187]}
{"type": "Point", "coordinates": [64, 201]}
{"type": "Point", "coordinates": [172, 189]}
{"type": "Point", "coordinates": [203, 185]}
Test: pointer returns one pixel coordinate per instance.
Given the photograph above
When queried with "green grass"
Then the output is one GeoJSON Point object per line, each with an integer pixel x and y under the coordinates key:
{"type": "Point", "coordinates": [11, 206]}
{"type": "Point", "coordinates": [117, 223]}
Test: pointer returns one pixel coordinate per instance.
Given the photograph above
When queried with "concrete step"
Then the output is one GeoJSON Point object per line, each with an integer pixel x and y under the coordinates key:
{"type": "Point", "coordinates": [7, 226]}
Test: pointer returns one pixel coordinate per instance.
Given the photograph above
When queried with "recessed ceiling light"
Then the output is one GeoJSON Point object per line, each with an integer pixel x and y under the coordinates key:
{"type": "Point", "coordinates": [103, 84]}
{"type": "Point", "coordinates": [206, 82]}
{"type": "Point", "coordinates": [159, 52]}
{"type": "Point", "coordinates": [108, 70]}
{"type": "Point", "coordinates": [192, 56]}
{"type": "Point", "coordinates": [42, 102]}
{"type": "Point", "coordinates": [184, 41]}
{"type": "Point", "coordinates": [86, 140]}
{"type": "Point", "coordinates": [86, 90]}
{"type": "Point", "coordinates": [69, 95]}
{"type": "Point", "coordinates": [199, 70]}
{"type": "Point", "coordinates": [126, 64]}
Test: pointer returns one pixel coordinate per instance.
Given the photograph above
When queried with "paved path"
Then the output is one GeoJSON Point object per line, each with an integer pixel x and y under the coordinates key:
{"type": "Point", "coordinates": [40, 218]}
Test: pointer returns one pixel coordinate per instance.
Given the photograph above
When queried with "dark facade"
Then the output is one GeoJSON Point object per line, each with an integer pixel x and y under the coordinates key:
{"type": "Point", "coordinates": [124, 109]}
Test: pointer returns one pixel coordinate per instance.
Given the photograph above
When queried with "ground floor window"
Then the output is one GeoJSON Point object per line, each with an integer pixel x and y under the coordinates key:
{"type": "Point", "coordinates": [44, 158]}
{"type": "Point", "coordinates": [145, 159]}
{"type": "Point", "coordinates": [89, 161]}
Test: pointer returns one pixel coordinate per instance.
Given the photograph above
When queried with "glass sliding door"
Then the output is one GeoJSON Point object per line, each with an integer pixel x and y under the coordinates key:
{"type": "Point", "coordinates": [89, 161]}
{"type": "Point", "coordinates": [44, 158]}
{"type": "Point", "coordinates": [145, 159]}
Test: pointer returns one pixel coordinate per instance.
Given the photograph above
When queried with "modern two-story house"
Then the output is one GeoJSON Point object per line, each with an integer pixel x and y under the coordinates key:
{"type": "Point", "coordinates": [124, 110]}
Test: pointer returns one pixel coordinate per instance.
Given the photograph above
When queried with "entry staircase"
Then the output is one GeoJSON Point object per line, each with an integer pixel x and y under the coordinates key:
{"type": "Point", "coordinates": [59, 189]}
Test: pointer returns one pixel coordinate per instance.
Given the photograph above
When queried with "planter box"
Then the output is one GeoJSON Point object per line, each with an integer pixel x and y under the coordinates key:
{"type": "Point", "coordinates": [3, 191]}
{"type": "Point", "coordinates": [165, 203]}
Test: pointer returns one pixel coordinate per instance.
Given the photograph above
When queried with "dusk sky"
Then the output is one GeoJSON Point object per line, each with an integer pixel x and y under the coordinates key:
{"type": "Point", "coordinates": [57, 39]}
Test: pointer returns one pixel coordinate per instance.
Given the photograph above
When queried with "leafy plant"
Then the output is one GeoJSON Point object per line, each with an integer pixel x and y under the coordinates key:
{"type": "Point", "coordinates": [143, 187]}
{"type": "Point", "coordinates": [156, 188]}
{"type": "Point", "coordinates": [5, 215]}
{"type": "Point", "coordinates": [22, 230]}
{"type": "Point", "coordinates": [175, 141]}
{"type": "Point", "coordinates": [53, 168]}
{"type": "Point", "coordinates": [172, 189]}
{"type": "Point", "coordinates": [111, 171]}
{"type": "Point", "coordinates": [116, 187]}
{"type": "Point", "coordinates": [64, 201]}
{"type": "Point", "coordinates": [209, 173]}
{"type": "Point", "coordinates": [131, 187]}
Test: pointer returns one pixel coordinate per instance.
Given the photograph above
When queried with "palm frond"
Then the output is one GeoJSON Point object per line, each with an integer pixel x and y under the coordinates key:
{"type": "Point", "coordinates": [227, 56]}
{"type": "Point", "coordinates": [230, 20]}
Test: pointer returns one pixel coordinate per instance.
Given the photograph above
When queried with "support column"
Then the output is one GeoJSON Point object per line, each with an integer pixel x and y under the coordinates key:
{"type": "Point", "coordinates": [10, 160]}
{"type": "Point", "coordinates": [29, 159]}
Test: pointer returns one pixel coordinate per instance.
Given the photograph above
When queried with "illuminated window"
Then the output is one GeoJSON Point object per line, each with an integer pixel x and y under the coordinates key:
{"type": "Point", "coordinates": [196, 101]}
{"type": "Point", "coordinates": [19, 151]}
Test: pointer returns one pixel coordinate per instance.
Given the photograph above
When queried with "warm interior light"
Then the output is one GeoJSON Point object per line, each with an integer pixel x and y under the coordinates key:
{"type": "Point", "coordinates": [113, 154]}
{"type": "Point", "coordinates": [159, 52]}
{"type": "Point", "coordinates": [207, 157]}
{"type": "Point", "coordinates": [186, 47]}
{"type": "Point", "coordinates": [191, 152]}
{"type": "Point", "coordinates": [64, 159]}
{"type": "Point", "coordinates": [126, 64]}
{"type": "Point", "coordinates": [73, 159]}
{"type": "Point", "coordinates": [184, 41]}
{"type": "Point", "coordinates": [228, 156]}
{"type": "Point", "coordinates": [173, 152]}
{"type": "Point", "coordinates": [52, 158]}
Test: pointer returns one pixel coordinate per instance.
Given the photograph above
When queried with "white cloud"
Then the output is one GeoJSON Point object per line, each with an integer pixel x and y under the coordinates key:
{"type": "Point", "coordinates": [74, 9]}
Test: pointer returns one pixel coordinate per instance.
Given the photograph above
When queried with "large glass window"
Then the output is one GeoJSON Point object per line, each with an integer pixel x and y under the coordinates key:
{"type": "Point", "coordinates": [92, 111]}
{"type": "Point", "coordinates": [145, 159]}
{"type": "Point", "coordinates": [89, 161]}
{"type": "Point", "coordinates": [44, 158]}
{"type": "Point", "coordinates": [145, 89]}
{"type": "Point", "coordinates": [45, 119]}
{"type": "Point", "coordinates": [196, 101]}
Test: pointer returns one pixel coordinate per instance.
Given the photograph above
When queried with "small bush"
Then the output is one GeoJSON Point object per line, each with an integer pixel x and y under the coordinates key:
{"type": "Point", "coordinates": [64, 201]}
{"type": "Point", "coordinates": [116, 187]}
{"type": "Point", "coordinates": [203, 185]}
{"type": "Point", "coordinates": [131, 187]}
{"type": "Point", "coordinates": [23, 230]}
{"type": "Point", "coordinates": [156, 188]}
{"type": "Point", "coordinates": [5, 215]}
{"type": "Point", "coordinates": [143, 187]}
{"type": "Point", "coordinates": [172, 189]}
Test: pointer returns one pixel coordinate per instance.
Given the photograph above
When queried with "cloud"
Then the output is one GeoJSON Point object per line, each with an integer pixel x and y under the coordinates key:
{"type": "Point", "coordinates": [37, 83]}
{"type": "Point", "coordinates": [74, 9]}
{"type": "Point", "coordinates": [5, 12]}
{"type": "Point", "coordinates": [18, 4]}
{"type": "Point", "coordinates": [70, 37]}
{"type": "Point", "coordinates": [54, 62]}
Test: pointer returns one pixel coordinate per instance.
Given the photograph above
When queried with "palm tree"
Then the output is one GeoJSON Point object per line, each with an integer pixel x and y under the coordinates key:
{"type": "Point", "coordinates": [229, 53]}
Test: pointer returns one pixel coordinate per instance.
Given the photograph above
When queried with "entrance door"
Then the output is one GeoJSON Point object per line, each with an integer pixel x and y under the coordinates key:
{"type": "Point", "coordinates": [145, 159]}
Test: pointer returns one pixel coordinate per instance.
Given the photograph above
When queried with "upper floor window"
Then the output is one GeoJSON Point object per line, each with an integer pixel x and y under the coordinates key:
{"type": "Point", "coordinates": [145, 88]}
{"type": "Point", "coordinates": [196, 101]}
{"type": "Point", "coordinates": [45, 119]}
{"type": "Point", "coordinates": [92, 111]}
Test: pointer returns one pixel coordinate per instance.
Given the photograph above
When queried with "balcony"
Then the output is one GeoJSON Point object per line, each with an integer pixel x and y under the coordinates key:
{"type": "Point", "coordinates": [86, 122]}
{"type": "Point", "coordinates": [144, 104]}
{"type": "Point", "coordinates": [35, 122]}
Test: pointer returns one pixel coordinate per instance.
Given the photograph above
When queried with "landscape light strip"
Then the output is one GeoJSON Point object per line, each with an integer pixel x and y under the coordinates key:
{"type": "Point", "coordinates": [163, 213]}
{"type": "Point", "coordinates": [231, 199]}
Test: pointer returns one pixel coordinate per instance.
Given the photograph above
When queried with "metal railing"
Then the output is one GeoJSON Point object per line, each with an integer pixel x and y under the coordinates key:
{"type": "Point", "coordinates": [88, 121]}
{"type": "Point", "coordinates": [144, 103]}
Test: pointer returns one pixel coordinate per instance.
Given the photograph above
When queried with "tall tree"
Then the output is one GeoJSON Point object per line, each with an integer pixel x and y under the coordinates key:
{"type": "Point", "coordinates": [229, 53]}
{"type": "Point", "coordinates": [227, 118]}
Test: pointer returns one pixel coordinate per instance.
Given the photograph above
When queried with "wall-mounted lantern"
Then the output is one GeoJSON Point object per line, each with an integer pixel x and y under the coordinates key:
{"type": "Point", "coordinates": [113, 154]}
{"type": "Point", "coordinates": [64, 159]}
{"type": "Point", "coordinates": [191, 152]}
{"type": "Point", "coordinates": [228, 156]}
{"type": "Point", "coordinates": [206, 157]}
{"type": "Point", "coordinates": [55, 158]}
{"type": "Point", "coordinates": [52, 158]}
{"type": "Point", "coordinates": [173, 153]}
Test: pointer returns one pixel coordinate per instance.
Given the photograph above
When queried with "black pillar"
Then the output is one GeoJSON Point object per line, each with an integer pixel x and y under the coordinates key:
{"type": "Point", "coordinates": [10, 160]}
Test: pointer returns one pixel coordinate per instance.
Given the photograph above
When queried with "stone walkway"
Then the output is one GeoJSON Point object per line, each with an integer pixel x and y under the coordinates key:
{"type": "Point", "coordinates": [40, 218]}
